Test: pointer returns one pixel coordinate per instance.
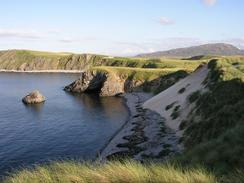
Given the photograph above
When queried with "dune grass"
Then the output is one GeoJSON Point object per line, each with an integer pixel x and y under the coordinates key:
{"type": "Point", "coordinates": [215, 134]}
{"type": "Point", "coordinates": [111, 172]}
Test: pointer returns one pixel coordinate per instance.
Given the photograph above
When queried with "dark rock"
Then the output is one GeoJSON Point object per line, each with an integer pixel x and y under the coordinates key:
{"type": "Point", "coordinates": [88, 82]}
{"type": "Point", "coordinates": [33, 98]}
{"type": "Point", "coordinates": [102, 83]}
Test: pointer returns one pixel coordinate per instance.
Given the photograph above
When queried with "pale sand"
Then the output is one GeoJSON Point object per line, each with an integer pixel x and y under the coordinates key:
{"type": "Point", "coordinates": [191, 83]}
{"type": "Point", "coordinates": [42, 71]}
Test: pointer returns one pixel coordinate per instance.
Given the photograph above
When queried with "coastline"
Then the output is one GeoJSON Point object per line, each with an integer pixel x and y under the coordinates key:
{"type": "Point", "coordinates": [42, 71]}
{"type": "Point", "coordinates": [143, 135]}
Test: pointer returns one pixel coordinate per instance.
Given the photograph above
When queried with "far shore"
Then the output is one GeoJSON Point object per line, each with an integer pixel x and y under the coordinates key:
{"type": "Point", "coordinates": [42, 71]}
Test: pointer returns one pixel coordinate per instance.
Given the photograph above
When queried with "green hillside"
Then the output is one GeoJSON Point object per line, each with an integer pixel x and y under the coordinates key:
{"type": "Point", "coordinates": [35, 60]}
{"type": "Point", "coordinates": [214, 133]}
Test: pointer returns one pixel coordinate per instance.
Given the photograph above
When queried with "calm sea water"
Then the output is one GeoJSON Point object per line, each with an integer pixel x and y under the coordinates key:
{"type": "Point", "coordinates": [64, 127]}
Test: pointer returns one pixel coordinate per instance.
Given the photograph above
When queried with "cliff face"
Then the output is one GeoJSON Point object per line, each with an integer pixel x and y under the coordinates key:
{"type": "Point", "coordinates": [104, 84]}
{"type": "Point", "coordinates": [24, 60]}
{"type": "Point", "coordinates": [88, 82]}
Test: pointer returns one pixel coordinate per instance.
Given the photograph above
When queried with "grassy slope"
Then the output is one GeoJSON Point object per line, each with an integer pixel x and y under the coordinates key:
{"type": "Point", "coordinates": [151, 63]}
{"type": "Point", "coordinates": [216, 139]}
{"type": "Point", "coordinates": [128, 171]}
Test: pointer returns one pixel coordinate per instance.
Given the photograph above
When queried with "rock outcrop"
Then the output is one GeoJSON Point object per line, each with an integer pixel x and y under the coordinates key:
{"type": "Point", "coordinates": [113, 85]}
{"type": "Point", "coordinates": [103, 83]}
{"type": "Point", "coordinates": [34, 98]}
{"type": "Point", "coordinates": [90, 81]}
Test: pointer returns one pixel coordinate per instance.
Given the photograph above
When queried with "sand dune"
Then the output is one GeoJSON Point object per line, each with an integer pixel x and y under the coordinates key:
{"type": "Point", "coordinates": [172, 95]}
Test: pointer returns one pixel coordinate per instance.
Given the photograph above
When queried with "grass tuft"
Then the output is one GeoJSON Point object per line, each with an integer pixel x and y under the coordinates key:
{"type": "Point", "coordinates": [111, 172]}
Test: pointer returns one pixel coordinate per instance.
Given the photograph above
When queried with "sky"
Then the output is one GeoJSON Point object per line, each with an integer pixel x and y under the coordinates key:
{"type": "Point", "coordinates": [119, 27]}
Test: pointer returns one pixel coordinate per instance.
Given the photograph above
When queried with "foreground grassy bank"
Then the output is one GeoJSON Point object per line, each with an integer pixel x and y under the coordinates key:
{"type": "Point", "coordinates": [114, 171]}
{"type": "Point", "coordinates": [128, 171]}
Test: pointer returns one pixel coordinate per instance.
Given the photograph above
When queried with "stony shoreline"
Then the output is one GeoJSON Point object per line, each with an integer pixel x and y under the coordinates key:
{"type": "Point", "coordinates": [143, 136]}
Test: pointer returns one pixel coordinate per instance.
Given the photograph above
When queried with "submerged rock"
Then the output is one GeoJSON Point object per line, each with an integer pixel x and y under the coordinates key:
{"type": "Point", "coordinates": [34, 98]}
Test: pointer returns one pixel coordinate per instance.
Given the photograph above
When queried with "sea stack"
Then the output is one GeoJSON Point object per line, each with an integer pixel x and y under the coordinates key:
{"type": "Point", "coordinates": [34, 98]}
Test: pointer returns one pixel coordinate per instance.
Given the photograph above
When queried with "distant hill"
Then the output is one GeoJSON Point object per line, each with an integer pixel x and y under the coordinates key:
{"type": "Point", "coordinates": [216, 49]}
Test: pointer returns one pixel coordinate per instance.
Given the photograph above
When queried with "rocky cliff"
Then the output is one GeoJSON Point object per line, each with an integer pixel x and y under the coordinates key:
{"type": "Point", "coordinates": [26, 60]}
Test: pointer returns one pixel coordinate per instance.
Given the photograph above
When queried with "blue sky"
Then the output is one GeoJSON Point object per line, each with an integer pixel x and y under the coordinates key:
{"type": "Point", "coordinates": [119, 27]}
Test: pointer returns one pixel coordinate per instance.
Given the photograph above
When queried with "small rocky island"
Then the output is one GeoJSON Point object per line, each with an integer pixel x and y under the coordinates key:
{"type": "Point", "coordinates": [33, 98]}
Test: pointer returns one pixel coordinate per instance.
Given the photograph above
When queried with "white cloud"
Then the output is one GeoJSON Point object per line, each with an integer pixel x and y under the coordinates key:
{"type": "Point", "coordinates": [66, 40]}
{"type": "Point", "coordinates": [238, 42]}
{"type": "Point", "coordinates": [54, 31]}
{"type": "Point", "coordinates": [77, 39]}
{"type": "Point", "coordinates": [209, 2]}
{"type": "Point", "coordinates": [8, 33]}
{"type": "Point", "coordinates": [29, 33]}
{"type": "Point", "coordinates": [165, 21]}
